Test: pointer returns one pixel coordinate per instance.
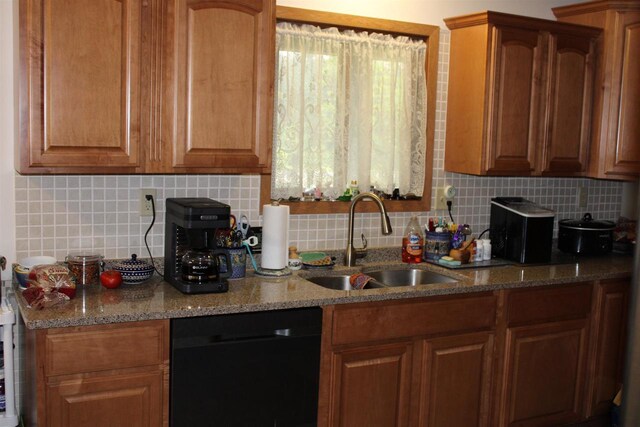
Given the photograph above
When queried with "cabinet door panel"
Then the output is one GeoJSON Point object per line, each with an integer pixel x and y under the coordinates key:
{"type": "Point", "coordinates": [372, 386]}
{"type": "Point", "coordinates": [570, 89]}
{"type": "Point", "coordinates": [544, 371]}
{"type": "Point", "coordinates": [80, 95]}
{"type": "Point", "coordinates": [515, 101]}
{"type": "Point", "coordinates": [626, 156]}
{"type": "Point", "coordinates": [125, 400]}
{"type": "Point", "coordinates": [455, 382]}
{"type": "Point", "coordinates": [608, 345]}
{"type": "Point", "coordinates": [217, 87]}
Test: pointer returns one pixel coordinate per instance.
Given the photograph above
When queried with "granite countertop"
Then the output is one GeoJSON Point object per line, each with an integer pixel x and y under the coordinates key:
{"type": "Point", "coordinates": [157, 299]}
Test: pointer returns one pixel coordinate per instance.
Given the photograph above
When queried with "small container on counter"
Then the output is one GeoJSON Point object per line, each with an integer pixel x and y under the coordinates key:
{"type": "Point", "coordinates": [479, 250]}
{"type": "Point", "coordinates": [436, 245]}
{"type": "Point", "coordinates": [486, 249]}
{"type": "Point", "coordinates": [134, 271]}
{"type": "Point", "coordinates": [85, 268]}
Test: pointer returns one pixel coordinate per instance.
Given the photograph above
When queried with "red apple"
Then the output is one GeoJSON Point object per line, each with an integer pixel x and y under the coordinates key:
{"type": "Point", "coordinates": [111, 279]}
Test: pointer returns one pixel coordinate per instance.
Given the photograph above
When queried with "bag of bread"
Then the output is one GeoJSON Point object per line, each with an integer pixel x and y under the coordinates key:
{"type": "Point", "coordinates": [49, 285]}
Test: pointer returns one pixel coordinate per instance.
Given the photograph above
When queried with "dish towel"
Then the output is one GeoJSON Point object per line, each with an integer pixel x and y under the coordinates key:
{"type": "Point", "coordinates": [359, 280]}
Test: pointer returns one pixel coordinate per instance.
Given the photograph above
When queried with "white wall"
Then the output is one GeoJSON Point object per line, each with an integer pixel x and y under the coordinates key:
{"type": "Point", "coordinates": [429, 12]}
{"type": "Point", "coordinates": [7, 129]}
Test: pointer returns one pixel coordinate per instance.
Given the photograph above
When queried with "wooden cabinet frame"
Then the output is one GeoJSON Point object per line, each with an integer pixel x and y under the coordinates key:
{"type": "Point", "coordinates": [548, 355]}
{"type": "Point", "coordinates": [118, 372]}
{"type": "Point", "coordinates": [145, 86]}
{"type": "Point", "coordinates": [520, 95]}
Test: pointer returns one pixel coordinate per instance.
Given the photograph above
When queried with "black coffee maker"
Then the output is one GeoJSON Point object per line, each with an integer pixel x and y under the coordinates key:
{"type": "Point", "coordinates": [191, 260]}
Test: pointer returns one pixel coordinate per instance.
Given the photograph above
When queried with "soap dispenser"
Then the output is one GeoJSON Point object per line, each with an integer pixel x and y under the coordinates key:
{"type": "Point", "coordinates": [412, 242]}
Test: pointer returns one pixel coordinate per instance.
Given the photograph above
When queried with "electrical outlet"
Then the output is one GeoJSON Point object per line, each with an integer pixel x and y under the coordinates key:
{"type": "Point", "coordinates": [583, 195]}
{"type": "Point", "coordinates": [146, 209]}
{"type": "Point", "coordinates": [441, 200]}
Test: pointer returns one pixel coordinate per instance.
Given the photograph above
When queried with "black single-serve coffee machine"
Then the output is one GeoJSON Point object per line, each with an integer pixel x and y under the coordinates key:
{"type": "Point", "coordinates": [191, 260]}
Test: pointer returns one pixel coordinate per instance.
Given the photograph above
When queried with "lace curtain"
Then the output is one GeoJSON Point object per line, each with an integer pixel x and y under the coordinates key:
{"type": "Point", "coordinates": [349, 106]}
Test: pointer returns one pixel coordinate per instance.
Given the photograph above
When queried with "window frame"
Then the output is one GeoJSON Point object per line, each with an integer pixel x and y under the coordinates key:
{"type": "Point", "coordinates": [431, 34]}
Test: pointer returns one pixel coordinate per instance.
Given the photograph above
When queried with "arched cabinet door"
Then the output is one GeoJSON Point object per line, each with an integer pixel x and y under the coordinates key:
{"type": "Point", "coordinates": [216, 87]}
{"type": "Point", "coordinates": [515, 97]}
{"type": "Point", "coordinates": [80, 96]}
{"type": "Point", "coordinates": [569, 90]}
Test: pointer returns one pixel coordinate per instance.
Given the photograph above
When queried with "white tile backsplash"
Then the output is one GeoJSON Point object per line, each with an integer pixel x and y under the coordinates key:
{"type": "Point", "coordinates": [56, 215]}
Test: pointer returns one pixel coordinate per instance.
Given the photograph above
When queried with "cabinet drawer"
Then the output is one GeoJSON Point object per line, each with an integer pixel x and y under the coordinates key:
{"type": "Point", "coordinates": [534, 305]}
{"type": "Point", "coordinates": [99, 348]}
{"type": "Point", "coordinates": [400, 319]}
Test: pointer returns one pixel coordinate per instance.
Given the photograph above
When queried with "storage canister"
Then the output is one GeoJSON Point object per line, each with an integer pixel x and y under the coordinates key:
{"type": "Point", "coordinates": [436, 245]}
{"type": "Point", "coordinates": [85, 268]}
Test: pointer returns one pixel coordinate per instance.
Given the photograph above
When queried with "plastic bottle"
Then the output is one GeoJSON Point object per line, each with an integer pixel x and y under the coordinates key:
{"type": "Point", "coordinates": [412, 242]}
{"type": "Point", "coordinates": [486, 250]}
{"type": "Point", "coordinates": [479, 250]}
{"type": "Point", "coordinates": [3, 401]}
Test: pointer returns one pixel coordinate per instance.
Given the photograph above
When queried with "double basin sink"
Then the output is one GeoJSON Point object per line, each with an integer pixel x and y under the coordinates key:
{"type": "Point", "coordinates": [384, 279]}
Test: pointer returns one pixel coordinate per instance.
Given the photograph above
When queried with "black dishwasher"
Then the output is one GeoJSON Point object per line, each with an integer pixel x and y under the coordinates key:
{"type": "Point", "coordinates": [250, 369]}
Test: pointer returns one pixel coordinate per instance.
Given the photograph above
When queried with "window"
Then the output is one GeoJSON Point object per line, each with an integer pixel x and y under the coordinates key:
{"type": "Point", "coordinates": [371, 95]}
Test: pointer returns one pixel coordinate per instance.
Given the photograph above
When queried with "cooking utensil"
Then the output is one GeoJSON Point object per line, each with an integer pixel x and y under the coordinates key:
{"type": "Point", "coordinates": [585, 236]}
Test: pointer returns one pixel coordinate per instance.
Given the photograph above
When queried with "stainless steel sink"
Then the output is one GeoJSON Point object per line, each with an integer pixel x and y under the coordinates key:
{"type": "Point", "coordinates": [408, 277]}
{"type": "Point", "coordinates": [340, 283]}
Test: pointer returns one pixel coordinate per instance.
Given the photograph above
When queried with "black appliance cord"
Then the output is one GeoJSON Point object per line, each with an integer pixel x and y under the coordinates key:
{"type": "Point", "coordinates": [449, 204]}
{"type": "Point", "coordinates": [488, 229]}
{"type": "Point", "coordinates": [153, 220]}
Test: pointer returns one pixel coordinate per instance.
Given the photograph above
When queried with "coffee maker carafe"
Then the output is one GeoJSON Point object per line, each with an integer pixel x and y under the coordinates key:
{"type": "Point", "coordinates": [191, 260]}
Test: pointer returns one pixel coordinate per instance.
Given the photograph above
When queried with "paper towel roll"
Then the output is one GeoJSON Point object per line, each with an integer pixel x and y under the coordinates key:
{"type": "Point", "coordinates": [275, 237]}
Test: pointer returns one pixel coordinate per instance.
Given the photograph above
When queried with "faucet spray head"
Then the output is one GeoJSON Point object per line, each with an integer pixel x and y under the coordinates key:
{"type": "Point", "coordinates": [386, 225]}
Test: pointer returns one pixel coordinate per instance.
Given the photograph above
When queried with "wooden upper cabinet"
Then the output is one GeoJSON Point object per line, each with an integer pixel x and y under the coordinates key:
{"type": "Point", "coordinates": [520, 93]}
{"type": "Point", "coordinates": [571, 61]}
{"type": "Point", "coordinates": [515, 98]}
{"type": "Point", "coordinates": [146, 86]}
{"type": "Point", "coordinates": [80, 86]}
{"type": "Point", "coordinates": [615, 147]}
{"type": "Point", "coordinates": [217, 87]}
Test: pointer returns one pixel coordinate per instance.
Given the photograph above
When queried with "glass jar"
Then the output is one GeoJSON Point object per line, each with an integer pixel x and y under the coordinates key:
{"type": "Point", "coordinates": [85, 268]}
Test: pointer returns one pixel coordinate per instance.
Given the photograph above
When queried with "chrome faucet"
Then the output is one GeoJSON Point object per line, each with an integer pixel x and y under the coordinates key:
{"type": "Point", "coordinates": [352, 253]}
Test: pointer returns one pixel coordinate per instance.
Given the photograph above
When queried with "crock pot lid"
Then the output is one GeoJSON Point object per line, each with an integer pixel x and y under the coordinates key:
{"type": "Point", "coordinates": [588, 223]}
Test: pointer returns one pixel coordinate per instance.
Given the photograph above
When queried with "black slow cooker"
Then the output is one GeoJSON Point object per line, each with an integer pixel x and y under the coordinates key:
{"type": "Point", "coordinates": [585, 236]}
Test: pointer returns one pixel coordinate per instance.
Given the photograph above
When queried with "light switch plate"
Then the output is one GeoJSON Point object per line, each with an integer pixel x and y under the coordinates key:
{"type": "Point", "coordinates": [441, 200]}
{"type": "Point", "coordinates": [583, 195]}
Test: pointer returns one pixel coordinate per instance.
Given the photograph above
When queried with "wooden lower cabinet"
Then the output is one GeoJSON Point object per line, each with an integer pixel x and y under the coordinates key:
{"type": "Point", "coordinates": [455, 380]}
{"type": "Point", "coordinates": [607, 345]}
{"type": "Point", "coordinates": [98, 376]}
{"type": "Point", "coordinates": [545, 374]}
{"type": "Point", "coordinates": [541, 356]}
{"type": "Point", "coordinates": [372, 385]}
{"type": "Point", "coordinates": [422, 362]}
{"type": "Point", "coordinates": [131, 399]}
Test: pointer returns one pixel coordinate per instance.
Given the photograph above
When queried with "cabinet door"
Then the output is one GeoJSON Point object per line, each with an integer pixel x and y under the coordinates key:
{"type": "Point", "coordinates": [570, 98]}
{"type": "Point", "coordinates": [607, 344]}
{"type": "Point", "coordinates": [515, 101]}
{"type": "Point", "coordinates": [623, 139]}
{"type": "Point", "coordinates": [455, 381]}
{"type": "Point", "coordinates": [80, 86]}
{"type": "Point", "coordinates": [544, 371]}
{"type": "Point", "coordinates": [371, 386]}
{"type": "Point", "coordinates": [117, 400]}
{"type": "Point", "coordinates": [217, 87]}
